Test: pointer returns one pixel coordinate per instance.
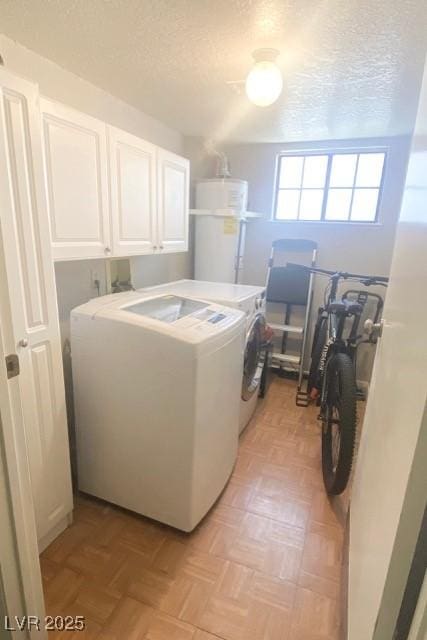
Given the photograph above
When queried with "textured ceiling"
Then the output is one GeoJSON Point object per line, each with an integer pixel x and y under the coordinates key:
{"type": "Point", "coordinates": [352, 68]}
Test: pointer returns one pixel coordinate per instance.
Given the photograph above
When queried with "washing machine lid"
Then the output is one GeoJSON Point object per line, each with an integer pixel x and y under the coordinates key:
{"type": "Point", "coordinates": [187, 320]}
{"type": "Point", "coordinates": [233, 295]}
{"type": "Point", "coordinates": [172, 308]}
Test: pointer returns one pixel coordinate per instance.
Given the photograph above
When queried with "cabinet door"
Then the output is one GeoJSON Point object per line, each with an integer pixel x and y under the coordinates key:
{"type": "Point", "coordinates": [173, 194]}
{"type": "Point", "coordinates": [28, 311]}
{"type": "Point", "coordinates": [133, 193]}
{"type": "Point", "coordinates": [75, 150]}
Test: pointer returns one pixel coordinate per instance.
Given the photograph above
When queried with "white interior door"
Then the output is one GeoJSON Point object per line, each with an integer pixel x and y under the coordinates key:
{"type": "Point", "coordinates": [21, 586]}
{"type": "Point", "coordinates": [133, 193]}
{"type": "Point", "coordinates": [390, 484]}
{"type": "Point", "coordinates": [28, 310]}
{"type": "Point", "coordinates": [75, 149]}
{"type": "Point", "coordinates": [173, 201]}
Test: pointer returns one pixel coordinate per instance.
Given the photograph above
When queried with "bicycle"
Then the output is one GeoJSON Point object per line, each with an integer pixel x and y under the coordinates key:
{"type": "Point", "coordinates": [332, 376]}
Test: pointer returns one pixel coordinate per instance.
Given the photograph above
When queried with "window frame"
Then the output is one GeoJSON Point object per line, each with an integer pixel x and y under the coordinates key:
{"type": "Point", "coordinates": [330, 153]}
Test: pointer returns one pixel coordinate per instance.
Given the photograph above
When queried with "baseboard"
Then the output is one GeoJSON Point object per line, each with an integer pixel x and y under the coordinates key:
{"type": "Point", "coordinates": [44, 542]}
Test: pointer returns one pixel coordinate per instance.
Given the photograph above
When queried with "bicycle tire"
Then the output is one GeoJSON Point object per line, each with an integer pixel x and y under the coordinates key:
{"type": "Point", "coordinates": [342, 398]}
{"type": "Point", "coordinates": [319, 340]}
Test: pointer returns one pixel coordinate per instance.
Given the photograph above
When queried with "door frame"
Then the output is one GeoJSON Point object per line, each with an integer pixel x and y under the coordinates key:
{"type": "Point", "coordinates": [419, 622]}
{"type": "Point", "coordinates": [405, 543]}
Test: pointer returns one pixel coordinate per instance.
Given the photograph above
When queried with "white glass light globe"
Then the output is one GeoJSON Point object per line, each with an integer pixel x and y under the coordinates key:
{"type": "Point", "coordinates": [264, 83]}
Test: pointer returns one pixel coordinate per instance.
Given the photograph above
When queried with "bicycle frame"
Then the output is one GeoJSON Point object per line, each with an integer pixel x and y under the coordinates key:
{"type": "Point", "coordinates": [334, 340]}
{"type": "Point", "coordinates": [338, 318]}
{"type": "Point", "coordinates": [336, 323]}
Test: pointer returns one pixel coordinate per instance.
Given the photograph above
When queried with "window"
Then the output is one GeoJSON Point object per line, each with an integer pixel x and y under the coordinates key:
{"type": "Point", "coordinates": [342, 186]}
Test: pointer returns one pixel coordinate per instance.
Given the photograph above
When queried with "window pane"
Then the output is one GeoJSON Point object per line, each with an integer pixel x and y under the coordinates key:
{"type": "Point", "coordinates": [343, 169]}
{"type": "Point", "coordinates": [370, 170]}
{"type": "Point", "coordinates": [338, 204]}
{"type": "Point", "coordinates": [287, 204]}
{"type": "Point", "coordinates": [364, 204]}
{"type": "Point", "coordinates": [291, 171]}
{"type": "Point", "coordinates": [311, 204]}
{"type": "Point", "coordinates": [315, 171]}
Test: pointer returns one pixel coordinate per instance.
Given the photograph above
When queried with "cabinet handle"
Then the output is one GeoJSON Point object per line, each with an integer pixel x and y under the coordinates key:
{"type": "Point", "coordinates": [107, 250]}
{"type": "Point", "coordinates": [161, 246]}
{"type": "Point", "coordinates": [23, 342]}
{"type": "Point", "coordinates": [155, 247]}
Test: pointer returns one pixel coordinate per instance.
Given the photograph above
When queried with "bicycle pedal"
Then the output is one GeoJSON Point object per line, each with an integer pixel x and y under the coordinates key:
{"type": "Point", "coordinates": [302, 399]}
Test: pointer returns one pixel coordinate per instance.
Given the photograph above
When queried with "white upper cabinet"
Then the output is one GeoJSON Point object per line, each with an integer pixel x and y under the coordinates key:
{"type": "Point", "coordinates": [133, 193]}
{"type": "Point", "coordinates": [75, 152]}
{"type": "Point", "coordinates": [173, 207]}
{"type": "Point", "coordinates": [109, 192]}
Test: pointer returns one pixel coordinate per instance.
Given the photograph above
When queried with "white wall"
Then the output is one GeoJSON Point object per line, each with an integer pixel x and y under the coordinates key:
{"type": "Point", "coordinates": [357, 247]}
{"type": "Point", "coordinates": [340, 244]}
{"type": "Point", "coordinates": [61, 85]}
{"type": "Point", "coordinates": [73, 279]}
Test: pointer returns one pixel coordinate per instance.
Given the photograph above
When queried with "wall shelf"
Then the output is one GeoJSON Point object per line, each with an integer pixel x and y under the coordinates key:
{"type": "Point", "coordinates": [226, 213]}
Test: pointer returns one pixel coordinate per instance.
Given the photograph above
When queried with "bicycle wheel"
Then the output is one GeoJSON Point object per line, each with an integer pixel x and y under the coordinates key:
{"type": "Point", "coordinates": [319, 340]}
{"type": "Point", "coordinates": [339, 425]}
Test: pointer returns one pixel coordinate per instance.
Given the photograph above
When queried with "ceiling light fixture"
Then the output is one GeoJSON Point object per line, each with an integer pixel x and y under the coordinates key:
{"type": "Point", "coordinates": [264, 81]}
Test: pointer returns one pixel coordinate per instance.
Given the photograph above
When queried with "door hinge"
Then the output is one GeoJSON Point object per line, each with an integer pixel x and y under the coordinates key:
{"type": "Point", "coordinates": [12, 365]}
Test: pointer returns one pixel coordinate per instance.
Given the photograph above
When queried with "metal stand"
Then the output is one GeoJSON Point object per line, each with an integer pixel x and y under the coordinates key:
{"type": "Point", "coordinates": [292, 288]}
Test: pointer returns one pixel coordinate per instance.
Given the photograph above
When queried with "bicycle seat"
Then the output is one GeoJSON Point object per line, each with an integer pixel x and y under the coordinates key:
{"type": "Point", "coordinates": [345, 307]}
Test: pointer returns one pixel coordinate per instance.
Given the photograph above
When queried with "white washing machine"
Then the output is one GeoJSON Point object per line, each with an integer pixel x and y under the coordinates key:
{"type": "Point", "coordinates": [156, 383]}
{"type": "Point", "coordinates": [250, 300]}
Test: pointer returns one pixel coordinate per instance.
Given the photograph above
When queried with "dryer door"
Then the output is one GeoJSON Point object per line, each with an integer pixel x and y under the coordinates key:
{"type": "Point", "coordinates": [254, 357]}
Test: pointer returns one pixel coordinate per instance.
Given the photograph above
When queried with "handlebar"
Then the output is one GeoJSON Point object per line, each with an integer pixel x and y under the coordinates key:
{"type": "Point", "coordinates": [368, 280]}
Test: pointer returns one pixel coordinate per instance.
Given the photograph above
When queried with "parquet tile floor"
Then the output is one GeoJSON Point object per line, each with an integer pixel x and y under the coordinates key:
{"type": "Point", "coordinates": [263, 565]}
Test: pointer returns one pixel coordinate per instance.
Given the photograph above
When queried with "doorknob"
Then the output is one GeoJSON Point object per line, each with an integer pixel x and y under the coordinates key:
{"type": "Point", "coordinates": [373, 329]}
{"type": "Point", "coordinates": [23, 342]}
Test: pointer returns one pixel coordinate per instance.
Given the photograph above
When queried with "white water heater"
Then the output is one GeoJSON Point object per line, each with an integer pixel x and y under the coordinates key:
{"type": "Point", "coordinates": [220, 229]}
{"type": "Point", "coordinates": [222, 193]}
{"type": "Point", "coordinates": [218, 248]}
